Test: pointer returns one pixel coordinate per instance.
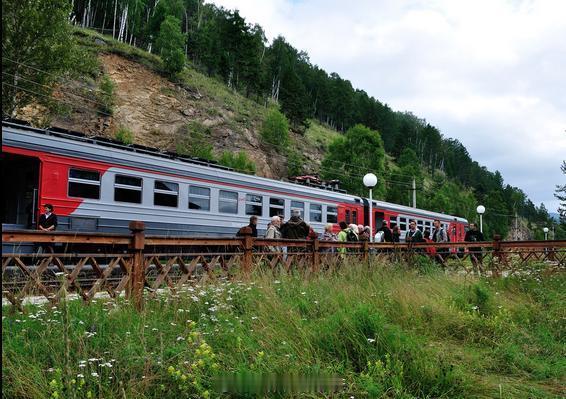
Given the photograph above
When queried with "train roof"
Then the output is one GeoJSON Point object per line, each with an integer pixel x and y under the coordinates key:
{"type": "Point", "coordinates": [75, 144]}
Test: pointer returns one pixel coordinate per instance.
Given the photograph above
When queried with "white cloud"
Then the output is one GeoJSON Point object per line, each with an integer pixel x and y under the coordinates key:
{"type": "Point", "coordinates": [489, 73]}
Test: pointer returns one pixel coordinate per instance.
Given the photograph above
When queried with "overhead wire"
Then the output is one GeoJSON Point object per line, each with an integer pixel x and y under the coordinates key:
{"type": "Point", "coordinates": [336, 162]}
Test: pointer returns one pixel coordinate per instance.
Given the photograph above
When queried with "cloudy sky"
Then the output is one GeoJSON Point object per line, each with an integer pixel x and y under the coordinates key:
{"type": "Point", "coordinates": [490, 73]}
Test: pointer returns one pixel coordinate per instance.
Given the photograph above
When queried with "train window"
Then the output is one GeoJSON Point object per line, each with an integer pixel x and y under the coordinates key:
{"type": "Point", "coordinates": [420, 225]}
{"type": "Point", "coordinates": [228, 201]}
{"type": "Point", "coordinates": [165, 193]}
{"type": "Point", "coordinates": [276, 207]}
{"type": "Point", "coordinates": [199, 198]}
{"type": "Point", "coordinates": [355, 217]}
{"type": "Point", "coordinates": [128, 189]}
{"type": "Point", "coordinates": [254, 204]}
{"type": "Point", "coordinates": [402, 224]}
{"type": "Point", "coordinates": [347, 216]}
{"type": "Point", "coordinates": [84, 183]}
{"type": "Point", "coordinates": [300, 206]}
{"type": "Point", "coordinates": [315, 213]}
{"type": "Point", "coordinates": [331, 214]}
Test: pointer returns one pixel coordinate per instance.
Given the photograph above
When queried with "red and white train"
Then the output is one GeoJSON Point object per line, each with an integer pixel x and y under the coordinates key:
{"type": "Point", "coordinates": [100, 185]}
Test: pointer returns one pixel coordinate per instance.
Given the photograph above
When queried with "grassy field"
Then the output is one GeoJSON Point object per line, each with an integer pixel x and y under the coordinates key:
{"type": "Point", "coordinates": [387, 331]}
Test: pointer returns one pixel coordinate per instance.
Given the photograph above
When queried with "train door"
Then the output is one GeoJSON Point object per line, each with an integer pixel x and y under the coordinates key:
{"type": "Point", "coordinates": [20, 178]}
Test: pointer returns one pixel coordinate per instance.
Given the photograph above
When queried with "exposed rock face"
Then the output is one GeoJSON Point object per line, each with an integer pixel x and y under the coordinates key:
{"type": "Point", "coordinates": [157, 112]}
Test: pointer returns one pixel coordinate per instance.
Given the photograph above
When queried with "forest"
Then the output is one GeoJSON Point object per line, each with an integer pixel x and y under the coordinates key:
{"type": "Point", "coordinates": [223, 45]}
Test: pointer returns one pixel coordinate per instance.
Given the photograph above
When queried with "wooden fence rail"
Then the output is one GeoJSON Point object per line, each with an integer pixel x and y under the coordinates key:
{"type": "Point", "coordinates": [89, 263]}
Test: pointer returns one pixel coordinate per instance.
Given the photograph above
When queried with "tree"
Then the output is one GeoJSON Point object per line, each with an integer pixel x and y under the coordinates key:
{"type": "Point", "coordinates": [349, 157]}
{"type": "Point", "coordinates": [560, 195]}
{"type": "Point", "coordinates": [170, 43]}
{"type": "Point", "coordinates": [37, 49]}
{"type": "Point", "coordinates": [275, 129]}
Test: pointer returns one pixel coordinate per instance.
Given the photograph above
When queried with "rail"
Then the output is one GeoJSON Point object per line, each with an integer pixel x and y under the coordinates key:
{"type": "Point", "coordinates": [91, 263]}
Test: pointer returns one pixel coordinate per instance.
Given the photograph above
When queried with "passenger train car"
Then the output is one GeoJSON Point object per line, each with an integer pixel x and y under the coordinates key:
{"type": "Point", "coordinates": [100, 185]}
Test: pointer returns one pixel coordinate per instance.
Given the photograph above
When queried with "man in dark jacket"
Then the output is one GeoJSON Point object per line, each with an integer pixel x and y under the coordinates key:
{"type": "Point", "coordinates": [295, 228]}
{"type": "Point", "coordinates": [250, 227]}
{"type": "Point", "coordinates": [47, 222]}
{"type": "Point", "coordinates": [476, 255]}
{"type": "Point", "coordinates": [387, 234]}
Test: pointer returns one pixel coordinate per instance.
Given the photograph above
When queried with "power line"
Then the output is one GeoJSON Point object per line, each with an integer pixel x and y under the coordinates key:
{"type": "Point", "coordinates": [104, 105]}
{"type": "Point", "coordinates": [72, 105]}
{"type": "Point", "coordinates": [49, 87]}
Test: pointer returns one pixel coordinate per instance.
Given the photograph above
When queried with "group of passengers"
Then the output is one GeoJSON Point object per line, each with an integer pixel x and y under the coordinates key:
{"type": "Point", "coordinates": [297, 228]}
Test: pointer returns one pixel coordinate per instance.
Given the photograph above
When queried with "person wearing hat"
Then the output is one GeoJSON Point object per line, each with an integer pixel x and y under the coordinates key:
{"type": "Point", "coordinates": [295, 228]}
{"type": "Point", "coordinates": [47, 222]}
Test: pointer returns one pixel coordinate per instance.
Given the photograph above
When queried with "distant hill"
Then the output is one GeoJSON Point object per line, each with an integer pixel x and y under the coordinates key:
{"type": "Point", "coordinates": [554, 216]}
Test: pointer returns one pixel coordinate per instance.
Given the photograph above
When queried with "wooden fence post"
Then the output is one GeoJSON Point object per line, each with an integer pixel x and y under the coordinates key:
{"type": "Point", "coordinates": [315, 255]}
{"type": "Point", "coordinates": [365, 249]}
{"type": "Point", "coordinates": [248, 242]}
{"type": "Point", "coordinates": [137, 272]}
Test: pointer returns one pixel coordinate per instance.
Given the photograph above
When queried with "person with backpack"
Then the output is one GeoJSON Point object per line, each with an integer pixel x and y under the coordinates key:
{"type": "Point", "coordinates": [250, 229]}
{"type": "Point", "coordinates": [439, 235]}
{"type": "Point", "coordinates": [347, 234]}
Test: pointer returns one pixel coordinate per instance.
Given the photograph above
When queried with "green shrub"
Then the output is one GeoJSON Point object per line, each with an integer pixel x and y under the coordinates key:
{"type": "Point", "coordinates": [124, 135]}
{"type": "Point", "coordinates": [193, 141]}
{"type": "Point", "coordinates": [239, 162]}
{"type": "Point", "coordinates": [295, 163]}
{"type": "Point", "coordinates": [275, 129]}
{"type": "Point", "coordinates": [105, 95]}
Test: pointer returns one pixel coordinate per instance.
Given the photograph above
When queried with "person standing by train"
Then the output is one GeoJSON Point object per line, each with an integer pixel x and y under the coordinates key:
{"type": "Point", "coordinates": [439, 235]}
{"type": "Point", "coordinates": [252, 227]}
{"type": "Point", "coordinates": [295, 228]}
{"type": "Point", "coordinates": [387, 235]}
{"type": "Point", "coordinates": [414, 235]}
{"type": "Point", "coordinates": [273, 232]}
{"type": "Point", "coordinates": [47, 222]}
{"type": "Point", "coordinates": [395, 233]}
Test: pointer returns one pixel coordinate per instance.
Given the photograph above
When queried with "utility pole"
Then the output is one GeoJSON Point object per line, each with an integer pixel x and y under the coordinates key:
{"type": "Point", "coordinates": [414, 193]}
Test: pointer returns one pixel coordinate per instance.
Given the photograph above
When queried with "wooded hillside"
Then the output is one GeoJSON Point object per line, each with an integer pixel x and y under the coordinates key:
{"type": "Point", "coordinates": [181, 38]}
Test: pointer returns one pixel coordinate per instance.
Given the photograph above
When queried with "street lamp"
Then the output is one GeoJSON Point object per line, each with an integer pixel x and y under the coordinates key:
{"type": "Point", "coordinates": [481, 210]}
{"type": "Point", "coordinates": [545, 233]}
{"type": "Point", "coordinates": [370, 180]}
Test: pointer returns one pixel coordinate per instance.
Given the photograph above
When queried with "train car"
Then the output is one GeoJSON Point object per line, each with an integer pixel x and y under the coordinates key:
{"type": "Point", "coordinates": [100, 185]}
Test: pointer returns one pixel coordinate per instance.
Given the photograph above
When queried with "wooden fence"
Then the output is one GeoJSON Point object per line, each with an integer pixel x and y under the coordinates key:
{"type": "Point", "coordinates": [89, 263]}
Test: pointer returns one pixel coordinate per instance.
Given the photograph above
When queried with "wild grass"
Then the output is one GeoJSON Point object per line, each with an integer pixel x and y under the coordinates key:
{"type": "Point", "coordinates": [387, 330]}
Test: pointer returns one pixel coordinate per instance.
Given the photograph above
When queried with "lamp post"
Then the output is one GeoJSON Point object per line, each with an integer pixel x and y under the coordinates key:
{"type": "Point", "coordinates": [481, 210]}
{"type": "Point", "coordinates": [370, 180]}
{"type": "Point", "coordinates": [545, 233]}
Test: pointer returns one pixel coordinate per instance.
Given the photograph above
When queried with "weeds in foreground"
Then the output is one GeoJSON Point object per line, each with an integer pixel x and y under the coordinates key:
{"type": "Point", "coordinates": [387, 331]}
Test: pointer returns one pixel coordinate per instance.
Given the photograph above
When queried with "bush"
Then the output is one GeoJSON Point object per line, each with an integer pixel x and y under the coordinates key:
{"type": "Point", "coordinates": [239, 162]}
{"type": "Point", "coordinates": [124, 135]}
{"type": "Point", "coordinates": [193, 141]}
{"type": "Point", "coordinates": [295, 162]}
{"type": "Point", "coordinates": [106, 95]}
{"type": "Point", "coordinates": [275, 129]}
